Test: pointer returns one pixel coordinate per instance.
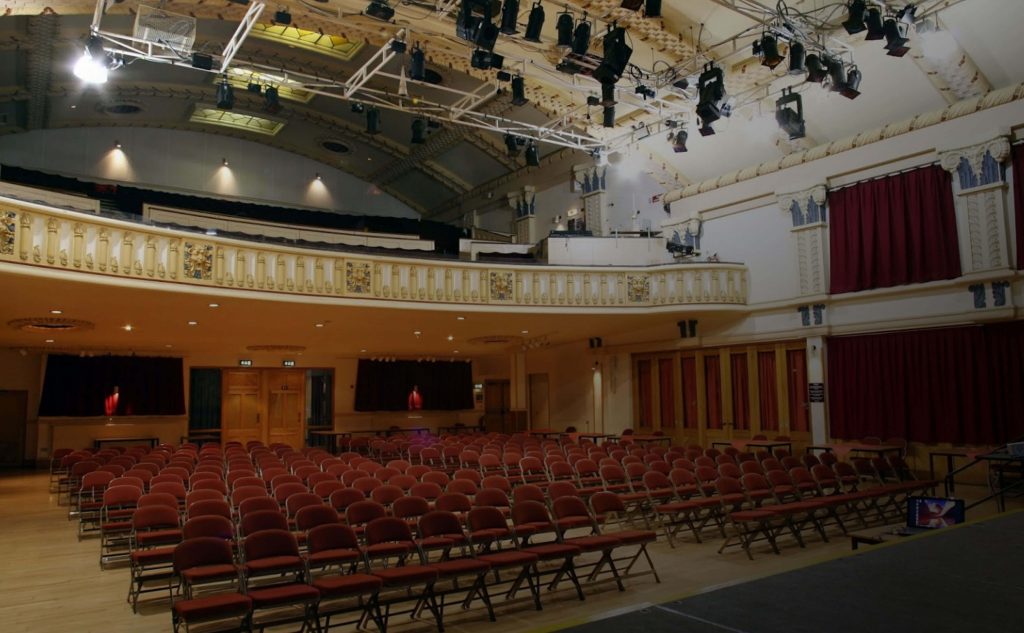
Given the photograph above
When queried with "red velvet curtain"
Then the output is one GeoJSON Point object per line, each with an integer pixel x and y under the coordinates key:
{"type": "Point", "coordinates": [645, 393]}
{"type": "Point", "coordinates": [713, 391]}
{"type": "Point", "coordinates": [1018, 200]}
{"type": "Point", "coordinates": [960, 385]}
{"type": "Point", "coordinates": [740, 392]}
{"type": "Point", "coordinates": [796, 365]}
{"type": "Point", "coordinates": [766, 384]}
{"type": "Point", "coordinates": [666, 392]}
{"type": "Point", "coordinates": [689, 377]}
{"type": "Point", "coordinates": [893, 231]}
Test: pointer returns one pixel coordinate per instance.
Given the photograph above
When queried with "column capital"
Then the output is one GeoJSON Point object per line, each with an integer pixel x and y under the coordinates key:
{"type": "Point", "coordinates": [977, 165]}
{"type": "Point", "coordinates": [806, 206]}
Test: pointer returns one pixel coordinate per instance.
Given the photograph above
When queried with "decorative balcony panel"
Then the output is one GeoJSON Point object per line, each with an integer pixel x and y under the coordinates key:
{"type": "Point", "coordinates": [34, 235]}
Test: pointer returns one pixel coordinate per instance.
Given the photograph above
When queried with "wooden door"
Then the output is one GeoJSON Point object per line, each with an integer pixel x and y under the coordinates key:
{"type": "Point", "coordinates": [539, 404]}
{"type": "Point", "coordinates": [13, 412]}
{"type": "Point", "coordinates": [286, 407]}
{"type": "Point", "coordinates": [240, 418]}
{"type": "Point", "coordinates": [497, 405]}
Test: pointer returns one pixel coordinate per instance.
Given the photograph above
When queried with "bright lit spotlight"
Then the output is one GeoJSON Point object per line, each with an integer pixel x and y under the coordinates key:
{"type": "Point", "coordinates": [92, 67]}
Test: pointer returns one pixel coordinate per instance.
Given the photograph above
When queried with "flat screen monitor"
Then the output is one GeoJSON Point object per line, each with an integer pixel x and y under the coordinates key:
{"type": "Point", "coordinates": [934, 512]}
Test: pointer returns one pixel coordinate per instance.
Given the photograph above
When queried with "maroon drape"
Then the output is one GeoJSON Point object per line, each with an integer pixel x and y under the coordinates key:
{"type": "Point", "coordinates": [766, 385]}
{"type": "Point", "coordinates": [645, 393]}
{"type": "Point", "coordinates": [689, 377]}
{"type": "Point", "coordinates": [740, 391]}
{"type": "Point", "coordinates": [713, 391]}
{"type": "Point", "coordinates": [1018, 200]}
{"type": "Point", "coordinates": [796, 365]}
{"type": "Point", "coordinates": [666, 392]}
{"type": "Point", "coordinates": [960, 385]}
{"type": "Point", "coordinates": [892, 231]}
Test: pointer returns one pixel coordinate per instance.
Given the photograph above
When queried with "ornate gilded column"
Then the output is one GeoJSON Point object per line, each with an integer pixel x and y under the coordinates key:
{"type": "Point", "coordinates": [591, 180]}
{"type": "Point", "coordinates": [810, 231]}
{"type": "Point", "coordinates": [980, 193]}
{"type": "Point", "coordinates": [524, 226]}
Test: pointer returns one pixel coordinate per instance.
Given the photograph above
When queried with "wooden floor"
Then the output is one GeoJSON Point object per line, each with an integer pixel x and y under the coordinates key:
{"type": "Point", "coordinates": [52, 582]}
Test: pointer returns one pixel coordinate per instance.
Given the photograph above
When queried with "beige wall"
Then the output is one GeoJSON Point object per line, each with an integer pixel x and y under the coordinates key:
{"type": "Point", "coordinates": [23, 373]}
{"type": "Point", "coordinates": [570, 370]}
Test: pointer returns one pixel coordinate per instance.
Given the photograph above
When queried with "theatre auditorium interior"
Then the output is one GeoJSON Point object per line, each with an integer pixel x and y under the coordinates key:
{"type": "Point", "coordinates": [598, 316]}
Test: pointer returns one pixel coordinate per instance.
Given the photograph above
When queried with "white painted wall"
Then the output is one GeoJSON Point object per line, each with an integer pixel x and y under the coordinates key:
{"type": "Point", "coordinates": [191, 163]}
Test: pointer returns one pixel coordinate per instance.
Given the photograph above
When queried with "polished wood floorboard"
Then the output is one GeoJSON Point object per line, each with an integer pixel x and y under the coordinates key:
{"type": "Point", "coordinates": [52, 582]}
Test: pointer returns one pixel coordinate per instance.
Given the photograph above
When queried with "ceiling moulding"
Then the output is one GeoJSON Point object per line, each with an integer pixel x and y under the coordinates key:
{"type": "Point", "coordinates": [236, 120]}
{"type": "Point", "coordinates": [959, 109]}
{"type": "Point", "coordinates": [335, 46]}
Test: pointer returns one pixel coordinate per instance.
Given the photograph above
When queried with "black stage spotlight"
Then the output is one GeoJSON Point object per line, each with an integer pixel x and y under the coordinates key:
{"type": "Point", "coordinates": [535, 23]}
{"type": "Point", "coordinates": [608, 116]}
{"type": "Point", "coordinates": [907, 14]}
{"type": "Point", "coordinates": [272, 102]}
{"type": "Point", "coordinates": [202, 61]}
{"type": "Point", "coordinates": [632, 5]}
{"type": "Point", "coordinates": [519, 91]}
{"type": "Point", "coordinates": [711, 91]}
{"type": "Point", "coordinates": [254, 86]}
{"type": "Point", "coordinates": [509, 15]}
{"type": "Point", "coordinates": [419, 132]}
{"type": "Point", "coordinates": [706, 130]}
{"type": "Point", "coordinates": [789, 112]}
{"type": "Point", "coordinates": [679, 141]}
{"type": "Point", "coordinates": [767, 48]}
{"type": "Point", "coordinates": [225, 94]}
{"type": "Point", "coordinates": [503, 75]}
{"type": "Point", "coordinates": [379, 9]}
{"type": "Point", "coordinates": [283, 17]}
{"type": "Point", "coordinates": [532, 155]}
{"type": "Point", "coordinates": [581, 36]}
{"type": "Point", "coordinates": [511, 145]}
{"type": "Point", "coordinates": [485, 60]}
{"type": "Point", "coordinates": [357, 108]}
{"type": "Point", "coordinates": [797, 54]}
{"type": "Point", "coordinates": [616, 56]}
{"type": "Point", "coordinates": [564, 25]}
{"type": "Point", "coordinates": [874, 23]}
{"type": "Point", "coordinates": [487, 36]}
{"type": "Point", "coordinates": [372, 120]}
{"type": "Point", "coordinates": [645, 92]}
{"type": "Point", "coordinates": [653, 9]}
{"type": "Point", "coordinates": [851, 89]}
{"type": "Point", "coordinates": [816, 70]}
{"type": "Point", "coordinates": [607, 94]}
{"type": "Point", "coordinates": [895, 40]}
{"type": "Point", "coordinates": [417, 63]}
{"type": "Point", "coordinates": [855, 22]}
{"type": "Point", "coordinates": [397, 46]}
{"type": "Point", "coordinates": [836, 73]}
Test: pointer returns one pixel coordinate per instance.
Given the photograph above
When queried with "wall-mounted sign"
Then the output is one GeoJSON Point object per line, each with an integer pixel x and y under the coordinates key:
{"type": "Point", "coordinates": [816, 392]}
{"type": "Point", "coordinates": [288, 363]}
{"type": "Point", "coordinates": [245, 362]}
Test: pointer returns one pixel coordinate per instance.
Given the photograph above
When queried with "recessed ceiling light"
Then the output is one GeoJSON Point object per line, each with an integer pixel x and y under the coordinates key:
{"type": "Point", "coordinates": [525, 332]}
{"type": "Point", "coordinates": [168, 345]}
{"type": "Point", "coordinates": [417, 332]}
{"type": "Point", "coordinates": [362, 351]}
{"type": "Point", "coordinates": [49, 340]}
{"type": "Point", "coordinates": [455, 352]}
{"type": "Point", "coordinates": [214, 305]}
{"type": "Point", "coordinates": [318, 325]}
{"type": "Point", "coordinates": [127, 328]}
{"type": "Point", "coordinates": [193, 322]}
{"type": "Point", "coordinates": [56, 312]}
{"type": "Point", "coordinates": [460, 318]}
{"type": "Point", "coordinates": [451, 338]}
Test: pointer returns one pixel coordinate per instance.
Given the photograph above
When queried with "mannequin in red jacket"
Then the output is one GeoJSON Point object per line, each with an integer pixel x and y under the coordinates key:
{"type": "Point", "coordinates": [415, 399]}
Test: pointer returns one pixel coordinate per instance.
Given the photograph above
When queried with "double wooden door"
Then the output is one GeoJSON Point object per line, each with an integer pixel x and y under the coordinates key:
{"type": "Point", "coordinates": [264, 404]}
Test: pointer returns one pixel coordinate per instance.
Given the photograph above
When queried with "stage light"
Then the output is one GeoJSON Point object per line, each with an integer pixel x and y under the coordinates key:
{"type": "Point", "coordinates": [254, 86]}
{"type": "Point", "coordinates": [486, 60]}
{"type": "Point", "coordinates": [836, 73]}
{"type": "Point", "coordinates": [608, 116]}
{"type": "Point", "coordinates": [511, 145]}
{"type": "Point", "coordinates": [679, 141]}
{"type": "Point", "coordinates": [851, 90]}
{"type": "Point", "coordinates": [607, 94]}
{"type": "Point", "coordinates": [357, 108]}
{"type": "Point", "coordinates": [816, 71]}
{"type": "Point", "coordinates": [397, 46]}
{"type": "Point", "coordinates": [535, 23]}
{"type": "Point", "coordinates": [509, 14]}
{"type": "Point", "coordinates": [419, 132]}
{"type": "Point", "coordinates": [93, 66]}
{"type": "Point", "coordinates": [767, 48]}
{"type": "Point", "coordinates": [876, 31]}
{"type": "Point", "coordinates": [272, 102]}
{"type": "Point", "coordinates": [283, 17]}
{"type": "Point", "coordinates": [645, 92]}
{"type": "Point", "coordinates": [379, 9]}
{"type": "Point", "coordinates": [372, 120]}
{"type": "Point", "coordinates": [225, 95]}
{"type": "Point", "coordinates": [487, 35]}
{"type": "Point", "coordinates": [653, 9]}
{"type": "Point", "coordinates": [519, 91]}
{"type": "Point", "coordinates": [855, 22]}
{"type": "Point", "coordinates": [789, 113]}
{"type": "Point", "coordinates": [581, 36]}
{"type": "Point", "coordinates": [202, 61]}
{"type": "Point", "coordinates": [797, 55]}
{"type": "Point", "coordinates": [712, 96]}
{"type": "Point", "coordinates": [616, 56]}
{"type": "Point", "coordinates": [906, 14]}
{"type": "Point", "coordinates": [895, 42]}
{"type": "Point", "coordinates": [564, 25]}
{"type": "Point", "coordinates": [417, 63]}
{"type": "Point", "coordinates": [532, 155]}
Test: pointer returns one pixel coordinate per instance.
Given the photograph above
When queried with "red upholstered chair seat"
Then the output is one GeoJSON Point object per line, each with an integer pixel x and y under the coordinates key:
{"type": "Point", "coordinates": [408, 575]}
{"type": "Point", "coordinates": [460, 566]}
{"type": "Point", "coordinates": [509, 559]}
{"type": "Point", "coordinates": [282, 594]}
{"type": "Point", "coordinates": [554, 550]}
{"type": "Point", "coordinates": [334, 556]}
{"type": "Point", "coordinates": [594, 543]}
{"type": "Point", "coordinates": [220, 605]}
{"type": "Point", "coordinates": [348, 585]}
{"type": "Point", "coordinates": [389, 549]}
{"type": "Point", "coordinates": [207, 573]}
{"type": "Point", "coordinates": [273, 563]}
{"type": "Point", "coordinates": [751, 515]}
{"type": "Point", "coordinates": [153, 556]}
